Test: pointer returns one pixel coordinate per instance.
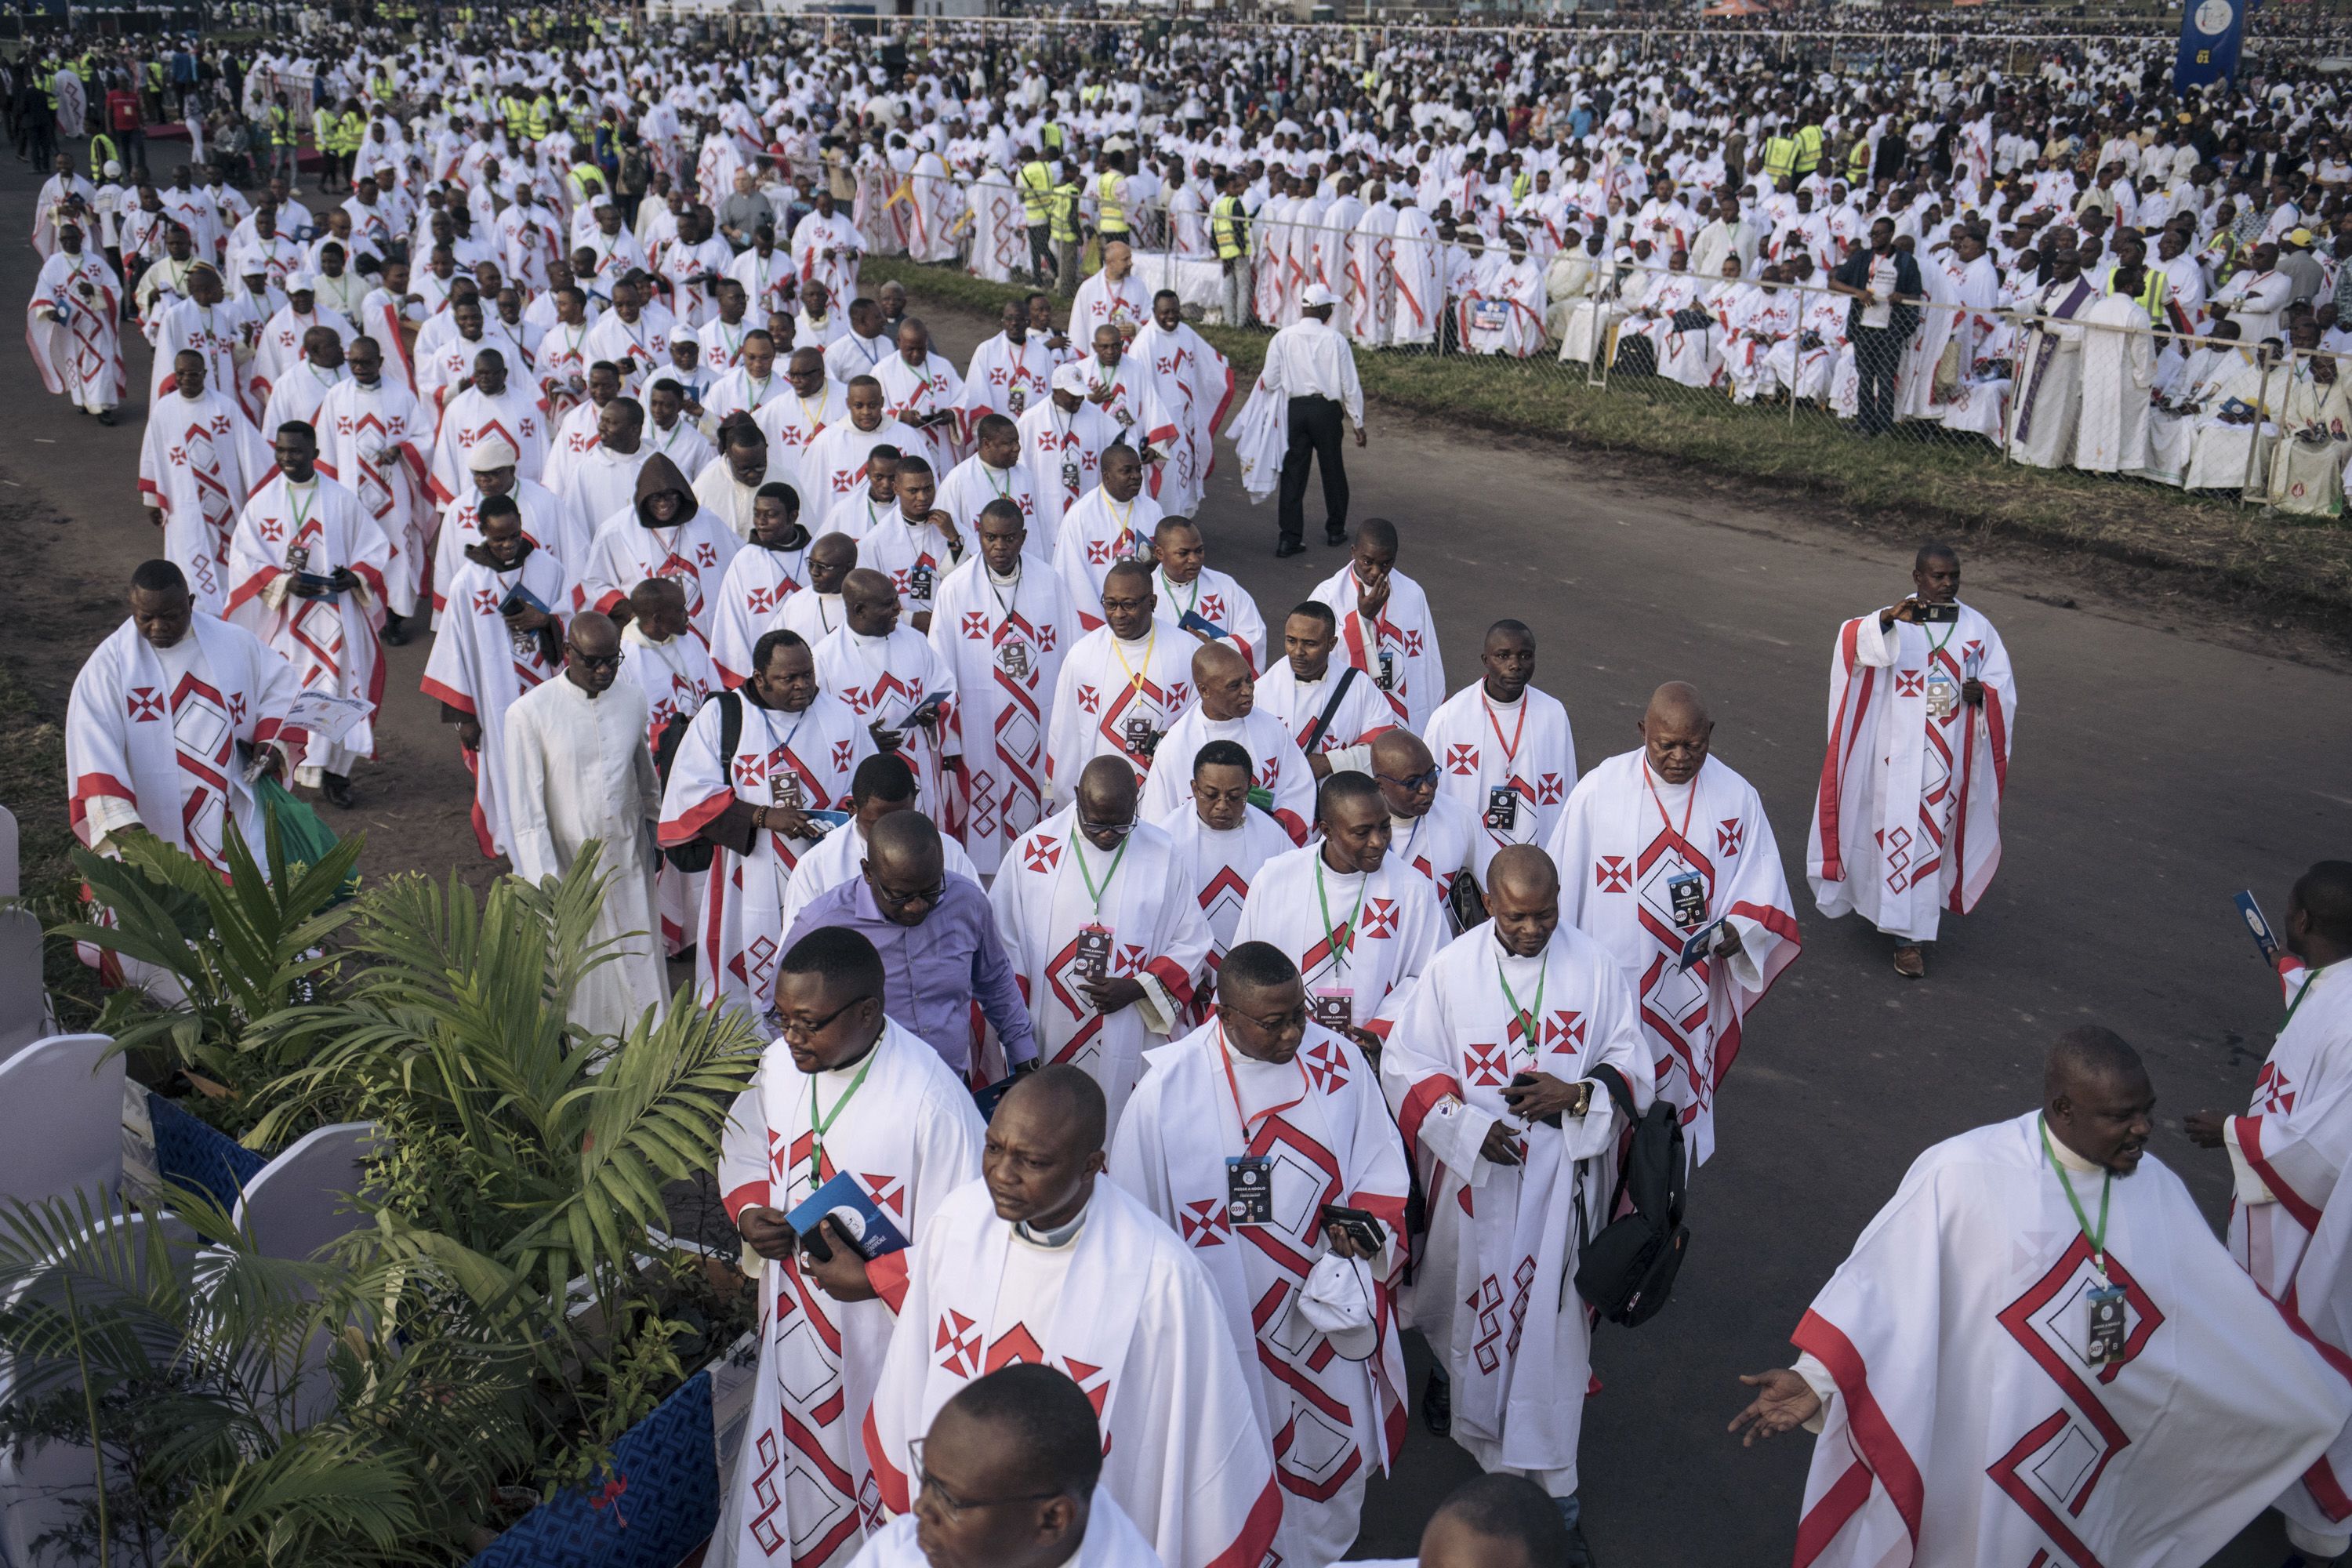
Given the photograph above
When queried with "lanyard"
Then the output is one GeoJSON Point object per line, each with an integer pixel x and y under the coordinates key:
{"type": "Point", "coordinates": [759, 396]}
{"type": "Point", "coordinates": [1006, 606]}
{"type": "Point", "coordinates": [1164, 583]}
{"type": "Point", "coordinates": [1650, 784]}
{"type": "Point", "coordinates": [1135, 682]}
{"type": "Point", "coordinates": [2097, 1239]}
{"type": "Point", "coordinates": [1936, 645]}
{"type": "Point", "coordinates": [815, 422]}
{"type": "Point", "coordinates": [1527, 1015]}
{"type": "Point", "coordinates": [822, 1121]}
{"type": "Point", "coordinates": [1225, 1056]}
{"type": "Point", "coordinates": [1003, 491]}
{"type": "Point", "coordinates": [2301, 992]}
{"type": "Point", "coordinates": [1093, 891]}
{"type": "Point", "coordinates": [302, 513]}
{"type": "Point", "coordinates": [1511, 746]}
{"type": "Point", "coordinates": [1126, 524]}
{"type": "Point", "coordinates": [1342, 937]}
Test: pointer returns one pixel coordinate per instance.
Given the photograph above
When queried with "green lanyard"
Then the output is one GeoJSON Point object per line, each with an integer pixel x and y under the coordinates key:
{"type": "Point", "coordinates": [822, 1120]}
{"type": "Point", "coordinates": [1092, 892]}
{"type": "Point", "coordinates": [2097, 1239]}
{"type": "Point", "coordinates": [2301, 992]}
{"type": "Point", "coordinates": [1936, 647]}
{"type": "Point", "coordinates": [1342, 937]}
{"type": "Point", "coordinates": [302, 513]}
{"type": "Point", "coordinates": [1527, 1015]}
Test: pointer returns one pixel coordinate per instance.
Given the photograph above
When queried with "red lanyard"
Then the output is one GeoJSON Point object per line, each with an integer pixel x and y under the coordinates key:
{"type": "Point", "coordinates": [1511, 746]}
{"type": "Point", "coordinates": [1225, 1056]}
{"type": "Point", "coordinates": [1651, 785]}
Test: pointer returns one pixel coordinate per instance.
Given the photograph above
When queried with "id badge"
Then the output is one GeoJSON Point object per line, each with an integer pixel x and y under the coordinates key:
{"type": "Point", "coordinates": [298, 558]}
{"type": "Point", "coordinates": [1123, 417]}
{"type": "Point", "coordinates": [1386, 678]}
{"type": "Point", "coordinates": [1943, 697]}
{"type": "Point", "coordinates": [1093, 959]}
{"type": "Point", "coordinates": [1249, 1189]}
{"type": "Point", "coordinates": [1333, 1006]}
{"type": "Point", "coordinates": [1502, 808]}
{"type": "Point", "coordinates": [1070, 475]}
{"type": "Point", "coordinates": [784, 789]}
{"type": "Point", "coordinates": [919, 584]}
{"type": "Point", "coordinates": [1142, 739]}
{"type": "Point", "coordinates": [2105, 1343]}
{"type": "Point", "coordinates": [1016, 400]}
{"type": "Point", "coordinates": [1012, 658]}
{"type": "Point", "coordinates": [1687, 892]}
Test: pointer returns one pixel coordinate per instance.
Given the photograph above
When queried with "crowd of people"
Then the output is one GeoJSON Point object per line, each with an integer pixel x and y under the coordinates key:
{"type": "Point", "coordinates": [1205, 986]}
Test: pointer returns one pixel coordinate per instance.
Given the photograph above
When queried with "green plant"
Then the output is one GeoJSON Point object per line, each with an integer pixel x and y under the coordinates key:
{"type": "Point", "coordinates": [239, 1410]}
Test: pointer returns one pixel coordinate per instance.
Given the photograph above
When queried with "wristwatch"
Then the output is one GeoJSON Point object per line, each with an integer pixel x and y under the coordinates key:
{"type": "Point", "coordinates": [1583, 1101]}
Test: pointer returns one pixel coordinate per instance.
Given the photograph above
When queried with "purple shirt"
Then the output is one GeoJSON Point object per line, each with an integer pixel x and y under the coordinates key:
{"type": "Point", "coordinates": [933, 971]}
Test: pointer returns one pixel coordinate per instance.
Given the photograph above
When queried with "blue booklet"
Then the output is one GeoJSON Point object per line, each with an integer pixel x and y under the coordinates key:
{"type": "Point", "coordinates": [1194, 621]}
{"type": "Point", "coordinates": [1697, 945]}
{"type": "Point", "coordinates": [988, 1096]}
{"type": "Point", "coordinates": [844, 1201]}
{"type": "Point", "coordinates": [2252, 912]}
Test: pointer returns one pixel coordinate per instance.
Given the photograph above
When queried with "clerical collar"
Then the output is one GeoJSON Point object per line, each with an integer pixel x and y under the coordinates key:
{"type": "Point", "coordinates": [798, 540]}
{"type": "Point", "coordinates": [1059, 1236]}
{"type": "Point", "coordinates": [2070, 1160]}
{"type": "Point", "coordinates": [1004, 580]}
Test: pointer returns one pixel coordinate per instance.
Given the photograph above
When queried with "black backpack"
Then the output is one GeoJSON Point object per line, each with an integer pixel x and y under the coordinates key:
{"type": "Point", "coordinates": [696, 853]}
{"type": "Point", "coordinates": [1627, 1272]}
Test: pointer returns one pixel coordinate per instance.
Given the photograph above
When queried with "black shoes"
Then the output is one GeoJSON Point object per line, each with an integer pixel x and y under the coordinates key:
{"type": "Point", "coordinates": [337, 788]}
{"type": "Point", "coordinates": [395, 630]}
{"type": "Point", "coordinates": [1289, 548]}
{"type": "Point", "coordinates": [1335, 536]}
{"type": "Point", "coordinates": [1437, 1405]}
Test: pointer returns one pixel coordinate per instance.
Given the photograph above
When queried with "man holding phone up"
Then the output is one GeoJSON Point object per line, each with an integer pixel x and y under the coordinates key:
{"type": "Point", "coordinates": [1261, 1140]}
{"type": "Point", "coordinates": [1907, 820]}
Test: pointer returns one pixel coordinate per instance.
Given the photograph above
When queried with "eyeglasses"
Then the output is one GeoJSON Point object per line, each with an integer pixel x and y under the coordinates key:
{"type": "Point", "coordinates": [805, 1030]}
{"type": "Point", "coordinates": [952, 1506]}
{"type": "Point", "coordinates": [1411, 781]}
{"type": "Point", "coordinates": [1281, 1023]}
{"type": "Point", "coordinates": [930, 895]}
{"type": "Point", "coordinates": [611, 661]}
{"type": "Point", "coordinates": [1107, 830]}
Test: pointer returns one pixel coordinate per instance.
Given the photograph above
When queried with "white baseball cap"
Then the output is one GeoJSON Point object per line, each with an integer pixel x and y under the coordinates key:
{"type": "Point", "coordinates": [1315, 296]}
{"type": "Point", "coordinates": [495, 453]}
{"type": "Point", "coordinates": [1072, 377]}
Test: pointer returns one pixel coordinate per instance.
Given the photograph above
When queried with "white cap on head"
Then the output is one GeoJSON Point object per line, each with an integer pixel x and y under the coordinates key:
{"type": "Point", "coordinates": [497, 452]}
{"type": "Point", "coordinates": [1072, 377]}
{"type": "Point", "coordinates": [113, 169]}
{"type": "Point", "coordinates": [1314, 295]}
{"type": "Point", "coordinates": [305, 282]}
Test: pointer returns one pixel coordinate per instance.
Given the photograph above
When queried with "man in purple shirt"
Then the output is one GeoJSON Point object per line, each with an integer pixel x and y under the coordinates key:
{"type": "Point", "coordinates": [938, 940]}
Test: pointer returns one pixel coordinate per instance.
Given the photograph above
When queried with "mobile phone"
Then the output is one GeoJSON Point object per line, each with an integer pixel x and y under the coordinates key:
{"type": "Point", "coordinates": [1358, 1226]}
{"type": "Point", "coordinates": [1938, 614]}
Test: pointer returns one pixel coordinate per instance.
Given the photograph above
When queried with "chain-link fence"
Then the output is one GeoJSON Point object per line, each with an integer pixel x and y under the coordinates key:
{"type": "Point", "coordinates": [2066, 377]}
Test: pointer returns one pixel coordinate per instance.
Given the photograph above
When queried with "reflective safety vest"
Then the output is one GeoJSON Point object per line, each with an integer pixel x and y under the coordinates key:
{"type": "Point", "coordinates": [1857, 163]}
{"type": "Point", "coordinates": [543, 113]}
{"type": "Point", "coordinates": [1229, 227]}
{"type": "Point", "coordinates": [2151, 295]}
{"type": "Point", "coordinates": [154, 76]}
{"type": "Point", "coordinates": [1111, 218]}
{"type": "Point", "coordinates": [1050, 137]}
{"type": "Point", "coordinates": [1521, 183]}
{"type": "Point", "coordinates": [48, 84]}
{"type": "Point", "coordinates": [1066, 210]}
{"type": "Point", "coordinates": [101, 152]}
{"type": "Point", "coordinates": [516, 114]}
{"type": "Point", "coordinates": [1036, 191]}
{"type": "Point", "coordinates": [1809, 149]}
{"type": "Point", "coordinates": [1780, 157]}
{"type": "Point", "coordinates": [281, 127]}
{"type": "Point", "coordinates": [325, 134]}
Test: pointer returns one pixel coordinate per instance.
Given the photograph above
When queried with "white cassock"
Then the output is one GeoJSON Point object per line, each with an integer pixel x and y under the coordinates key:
{"type": "Point", "coordinates": [1444, 844]}
{"type": "Point", "coordinates": [1359, 937]}
{"type": "Point", "coordinates": [731, 500]}
{"type": "Point", "coordinates": [602, 482]}
{"type": "Point", "coordinates": [750, 603]}
{"type": "Point", "coordinates": [1961, 1421]}
{"type": "Point", "coordinates": [295, 399]}
{"type": "Point", "coordinates": [206, 330]}
{"type": "Point", "coordinates": [1218, 598]}
{"type": "Point", "coordinates": [577, 769]}
{"type": "Point", "coordinates": [1401, 653]}
{"type": "Point", "coordinates": [1007, 378]}
{"type": "Point", "coordinates": [687, 447]}
{"type": "Point", "coordinates": [198, 459]}
{"type": "Point", "coordinates": [480, 669]}
{"type": "Point", "coordinates": [2118, 370]}
{"type": "Point", "coordinates": [1319, 1118]}
{"type": "Point", "coordinates": [571, 438]}
{"type": "Point", "coordinates": [1131, 398]}
{"type": "Point", "coordinates": [280, 347]}
{"type": "Point", "coordinates": [905, 1129]}
{"type": "Point", "coordinates": [1906, 821]}
{"type": "Point", "coordinates": [849, 356]}
{"type": "Point", "coordinates": [1335, 712]}
{"type": "Point", "coordinates": [546, 522]}
{"type": "Point", "coordinates": [1370, 275]}
{"type": "Point", "coordinates": [908, 395]}
{"type": "Point", "coordinates": [971, 484]}
{"type": "Point", "coordinates": [1624, 846]}
{"type": "Point", "coordinates": [1111, 1542]}
{"type": "Point", "coordinates": [473, 417]}
{"type": "Point", "coordinates": [1502, 308]}
{"type": "Point", "coordinates": [374, 439]}
{"type": "Point", "coordinates": [1138, 922]}
{"type": "Point", "coordinates": [832, 471]}
{"type": "Point", "coordinates": [1003, 640]}
{"type": "Point", "coordinates": [2050, 376]}
{"type": "Point", "coordinates": [735, 390]}
{"type": "Point", "coordinates": [1493, 1286]}
{"type": "Point", "coordinates": [1127, 1313]}
{"type": "Point", "coordinates": [1279, 768]}
{"type": "Point", "coordinates": [1117, 699]}
{"type": "Point", "coordinates": [768, 282]}
{"type": "Point", "coordinates": [1510, 766]}
{"type": "Point", "coordinates": [77, 342]}
{"type": "Point", "coordinates": [881, 679]}
{"type": "Point", "coordinates": [331, 642]}
{"type": "Point", "coordinates": [817, 234]}
{"type": "Point", "coordinates": [1094, 534]}
{"type": "Point", "coordinates": [1195, 384]}
{"type": "Point", "coordinates": [1101, 301]}
{"type": "Point", "coordinates": [644, 343]}
{"type": "Point", "coordinates": [693, 552]}
{"type": "Point", "coordinates": [675, 675]}
{"type": "Point", "coordinates": [914, 557]}
{"type": "Point", "coordinates": [791, 422]}
{"type": "Point", "coordinates": [804, 759]}
{"type": "Point", "coordinates": [1063, 452]}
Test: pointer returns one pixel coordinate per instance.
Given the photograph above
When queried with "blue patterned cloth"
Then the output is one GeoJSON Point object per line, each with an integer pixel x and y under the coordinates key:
{"type": "Point", "coordinates": [195, 1154]}
{"type": "Point", "coordinates": [659, 1503]}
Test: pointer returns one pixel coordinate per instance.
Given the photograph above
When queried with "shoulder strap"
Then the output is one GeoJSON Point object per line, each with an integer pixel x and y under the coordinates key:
{"type": "Point", "coordinates": [731, 727]}
{"type": "Point", "coordinates": [1323, 720]}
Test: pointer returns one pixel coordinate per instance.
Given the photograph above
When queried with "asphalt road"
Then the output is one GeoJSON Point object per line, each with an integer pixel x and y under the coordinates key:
{"type": "Point", "coordinates": [2162, 763]}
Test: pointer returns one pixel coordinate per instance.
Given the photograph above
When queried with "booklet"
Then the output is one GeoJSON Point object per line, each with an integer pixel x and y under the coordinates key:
{"type": "Point", "coordinates": [2252, 912]}
{"type": "Point", "coordinates": [929, 704]}
{"type": "Point", "coordinates": [1696, 945]}
{"type": "Point", "coordinates": [844, 1201]}
{"type": "Point", "coordinates": [987, 1097]}
{"type": "Point", "coordinates": [1194, 621]}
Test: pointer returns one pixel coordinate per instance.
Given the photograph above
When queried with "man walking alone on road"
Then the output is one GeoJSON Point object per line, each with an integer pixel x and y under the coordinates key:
{"type": "Point", "coordinates": [1312, 365]}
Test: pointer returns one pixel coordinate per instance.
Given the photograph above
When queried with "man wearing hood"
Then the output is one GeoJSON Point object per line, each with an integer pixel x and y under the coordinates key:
{"type": "Point", "coordinates": [665, 534]}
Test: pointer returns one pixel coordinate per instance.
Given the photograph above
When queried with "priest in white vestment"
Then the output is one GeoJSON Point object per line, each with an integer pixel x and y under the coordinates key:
{"type": "Point", "coordinates": [2118, 372]}
{"type": "Point", "coordinates": [1310, 1301]}
{"type": "Point", "coordinates": [1332, 709]}
{"type": "Point", "coordinates": [1063, 438]}
{"type": "Point", "coordinates": [1105, 938]}
{"type": "Point", "coordinates": [2050, 367]}
{"type": "Point", "coordinates": [577, 770]}
{"type": "Point", "coordinates": [1907, 823]}
{"type": "Point", "coordinates": [1222, 841]}
{"type": "Point", "coordinates": [1111, 522]}
{"type": "Point", "coordinates": [994, 471]}
{"type": "Point", "coordinates": [1385, 626]}
{"type": "Point", "coordinates": [664, 532]}
{"type": "Point", "coordinates": [492, 408]}
{"type": "Point", "coordinates": [2038, 1348]}
{"type": "Point", "coordinates": [1195, 385]}
{"type": "Point", "coordinates": [199, 458]}
{"type": "Point", "coordinates": [843, 1090]}
{"type": "Point", "coordinates": [772, 567]}
{"type": "Point", "coordinates": [834, 470]}
{"type": "Point", "coordinates": [886, 672]}
{"type": "Point", "coordinates": [1506, 1163]}
{"type": "Point", "coordinates": [73, 323]}
{"type": "Point", "coordinates": [1001, 622]}
{"type": "Point", "coordinates": [1042, 1261]}
{"type": "Point", "coordinates": [1009, 373]}
{"type": "Point", "coordinates": [1121, 687]}
{"type": "Point", "coordinates": [374, 437]}
{"type": "Point", "coordinates": [1227, 710]}
{"type": "Point", "coordinates": [922, 390]}
{"type": "Point", "coordinates": [799, 414]}
{"type": "Point", "coordinates": [1504, 749]}
{"type": "Point", "coordinates": [1664, 844]}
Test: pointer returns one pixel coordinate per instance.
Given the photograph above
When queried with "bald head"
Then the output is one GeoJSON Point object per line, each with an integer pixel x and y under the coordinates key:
{"type": "Point", "coordinates": [1105, 799]}
{"type": "Point", "coordinates": [1525, 872]}
{"type": "Point", "coordinates": [1676, 731]}
{"type": "Point", "coordinates": [905, 848]}
{"type": "Point", "coordinates": [1064, 1099]}
{"type": "Point", "coordinates": [2097, 1098]}
{"type": "Point", "coordinates": [2319, 913]}
{"type": "Point", "coordinates": [835, 549]}
{"type": "Point", "coordinates": [1678, 703]}
{"type": "Point", "coordinates": [594, 634]}
{"type": "Point", "coordinates": [1400, 753]}
{"type": "Point", "coordinates": [1222, 676]}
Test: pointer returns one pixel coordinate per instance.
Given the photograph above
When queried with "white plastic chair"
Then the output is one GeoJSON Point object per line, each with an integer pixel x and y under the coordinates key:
{"type": "Point", "coordinates": [24, 1002]}
{"type": "Point", "coordinates": [61, 1118]}
{"type": "Point", "coordinates": [11, 877]}
{"type": "Point", "coordinates": [303, 1200]}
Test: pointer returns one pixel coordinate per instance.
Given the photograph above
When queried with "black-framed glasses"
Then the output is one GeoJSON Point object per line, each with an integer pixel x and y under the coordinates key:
{"type": "Point", "coordinates": [954, 1507]}
{"type": "Point", "coordinates": [804, 1031]}
{"type": "Point", "coordinates": [930, 895]}
{"type": "Point", "coordinates": [1412, 781]}
{"type": "Point", "coordinates": [611, 661]}
{"type": "Point", "coordinates": [1107, 830]}
{"type": "Point", "coordinates": [1294, 1022]}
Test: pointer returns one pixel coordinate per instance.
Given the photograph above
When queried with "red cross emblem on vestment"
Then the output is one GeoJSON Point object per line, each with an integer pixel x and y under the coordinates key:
{"type": "Point", "coordinates": [485, 602]}
{"type": "Point", "coordinates": [760, 601]}
{"type": "Point", "coordinates": [1550, 790]}
{"type": "Point", "coordinates": [1089, 699]}
{"type": "Point", "coordinates": [1205, 1223]}
{"type": "Point", "coordinates": [1461, 760]}
{"type": "Point", "coordinates": [1046, 636]}
{"type": "Point", "coordinates": [236, 707]}
{"type": "Point", "coordinates": [145, 703]}
{"type": "Point", "coordinates": [706, 555]}
{"type": "Point", "coordinates": [1213, 608]}
{"type": "Point", "coordinates": [1379, 917]}
{"type": "Point", "coordinates": [842, 751]}
{"type": "Point", "coordinates": [1042, 854]}
{"type": "Point", "coordinates": [1910, 682]}
{"type": "Point", "coordinates": [750, 771]}
{"type": "Point", "coordinates": [1564, 1031]}
{"type": "Point", "coordinates": [1487, 1064]}
{"type": "Point", "coordinates": [1411, 641]}
{"type": "Point", "coordinates": [890, 1192]}
{"type": "Point", "coordinates": [1327, 1065]}
{"type": "Point", "coordinates": [959, 1339]}
{"type": "Point", "coordinates": [1611, 874]}
{"type": "Point", "coordinates": [1098, 552]}
{"type": "Point", "coordinates": [1729, 835]}
{"type": "Point", "coordinates": [975, 626]}
{"type": "Point", "coordinates": [847, 480]}
{"type": "Point", "coordinates": [1973, 649]}
{"type": "Point", "coordinates": [270, 529]}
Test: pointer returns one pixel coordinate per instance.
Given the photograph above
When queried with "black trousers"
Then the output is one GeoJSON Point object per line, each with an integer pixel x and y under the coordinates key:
{"type": "Point", "coordinates": [1315, 429]}
{"type": "Point", "coordinates": [1877, 354]}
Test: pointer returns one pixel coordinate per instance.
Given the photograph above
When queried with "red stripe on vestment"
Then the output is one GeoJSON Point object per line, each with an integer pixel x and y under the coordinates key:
{"type": "Point", "coordinates": [1875, 1437]}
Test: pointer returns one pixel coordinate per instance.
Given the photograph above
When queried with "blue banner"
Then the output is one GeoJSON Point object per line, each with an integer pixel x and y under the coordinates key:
{"type": "Point", "coordinates": [2210, 34]}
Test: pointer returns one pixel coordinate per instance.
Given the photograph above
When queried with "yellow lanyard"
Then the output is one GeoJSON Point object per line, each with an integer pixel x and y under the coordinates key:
{"type": "Point", "coordinates": [1135, 681]}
